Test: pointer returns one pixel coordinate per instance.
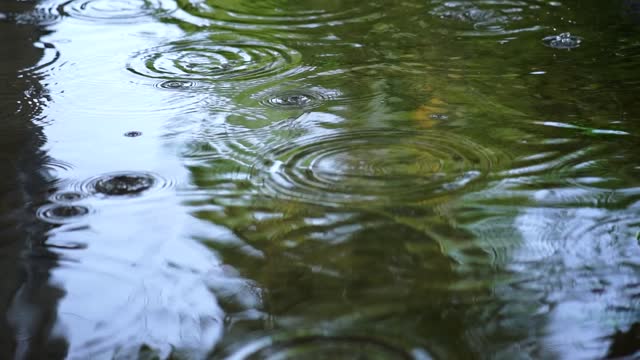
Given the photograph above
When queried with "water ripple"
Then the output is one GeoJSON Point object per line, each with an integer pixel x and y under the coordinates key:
{"type": "Point", "coordinates": [281, 14]}
{"type": "Point", "coordinates": [567, 164]}
{"type": "Point", "coordinates": [328, 347]}
{"type": "Point", "coordinates": [578, 237]}
{"type": "Point", "coordinates": [300, 99]}
{"type": "Point", "coordinates": [122, 184]}
{"type": "Point", "coordinates": [62, 213]}
{"type": "Point", "coordinates": [177, 84]}
{"type": "Point", "coordinates": [486, 17]}
{"type": "Point", "coordinates": [49, 57]}
{"type": "Point", "coordinates": [150, 312]}
{"type": "Point", "coordinates": [115, 10]}
{"type": "Point", "coordinates": [321, 90]}
{"type": "Point", "coordinates": [562, 41]}
{"type": "Point", "coordinates": [66, 197]}
{"type": "Point", "coordinates": [382, 166]}
{"type": "Point", "coordinates": [215, 58]}
{"type": "Point", "coordinates": [30, 103]}
{"type": "Point", "coordinates": [23, 12]}
{"type": "Point", "coordinates": [269, 103]}
{"type": "Point", "coordinates": [53, 168]}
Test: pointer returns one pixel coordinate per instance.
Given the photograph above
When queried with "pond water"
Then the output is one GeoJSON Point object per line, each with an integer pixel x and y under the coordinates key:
{"type": "Point", "coordinates": [320, 179]}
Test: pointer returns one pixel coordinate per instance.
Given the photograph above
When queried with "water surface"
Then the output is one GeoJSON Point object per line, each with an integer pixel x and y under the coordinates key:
{"type": "Point", "coordinates": [321, 179]}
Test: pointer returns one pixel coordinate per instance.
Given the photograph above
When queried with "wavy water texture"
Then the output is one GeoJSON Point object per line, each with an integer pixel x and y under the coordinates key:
{"type": "Point", "coordinates": [278, 14]}
{"type": "Point", "coordinates": [62, 213]}
{"type": "Point", "coordinates": [115, 11]}
{"type": "Point", "coordinates": [26, 13]}
{"type": "Point", "coordinates": [496, 18]}
{"type": "Point", "coordinates": [219, 57]}
{"type": "Point", "coordinates": [145, 314]}
{"type": "Point", "coordinates": [333, 179]}
{"type": "Point", "coordinates": [386, 166]}
{"type": "Point", "coordinates": [313, 346]}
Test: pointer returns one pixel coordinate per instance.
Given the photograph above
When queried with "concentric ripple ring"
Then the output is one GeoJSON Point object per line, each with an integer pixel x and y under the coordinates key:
{"type": "Point", "coordinates": [322, 347]}
{"type": "Point", "coordinates": [61, 213]}
{"type": "Point", "coordinates": [123, 184]}
{"type": "Point", "coordinates": [115, 10]}
{"type": "Point", "coordinates": [375, 166]}
{"type": "Point", "coordinates": [294, 99]}
{"type": "Point", "coordinates": [215, 58]}
{"type": "Point", "coordinates": [490, 18]}
{"type": "Point", "coordinates": [280, 13]}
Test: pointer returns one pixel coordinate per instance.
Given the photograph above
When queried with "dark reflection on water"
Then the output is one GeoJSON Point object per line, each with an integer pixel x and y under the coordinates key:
{"type": "Point", "coordinates": [28, 299]}
{"type": "Point", "coordinates": [325, 179]}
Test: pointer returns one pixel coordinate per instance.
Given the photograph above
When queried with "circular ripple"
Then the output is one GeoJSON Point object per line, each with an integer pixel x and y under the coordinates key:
{"type": "Point", "coordinates": [67, 197]}
{"type": "Point", "coordinates": [49, 57]}
{"type": "Point", "coordinates": [177, 84]}
{"type": "Point", "coordinates": [488, 17]}
{"type": "Point", "coordinates": [53, 168]}
{"type": "Point", "coordinates": [562, 41]}
{"type": "Point", "coordinates": [220, 57]}
{"type": "Point", "coordinates": [323, 347]}
{"type": "Point", "coordinates": [373, 166]}
{"type": "Point", "coordinates": [124, 184]}
{"type": "Point", "coordinates": [61, 213]}
{"type": "Point", "coordinates": [263, 103]}
{"type": "Point", "coordinates": [115, 10]}
{"type": "Point", "coordinates": [300, 99]}
{"type": "Point", "coordinates": [281, 13]}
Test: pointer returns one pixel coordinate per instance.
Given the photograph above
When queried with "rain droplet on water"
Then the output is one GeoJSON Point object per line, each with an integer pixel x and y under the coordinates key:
{"type": "Point", "coordinates": [177, 84]}
{"type": "Point", "coordinates": [123, 184]}
{"type": "Point", "coordinates": [292, 100]}
{"type": "Point", "coordinates": [61, 213]}
{"type": "Point", "coordinates": [67, 197]}
{"type": "Point", "coordinates": [295, 100]}
{"type": "Point", "coordinates": [133, 134]}
{"type": "Point", "coordinates": [562, 41]}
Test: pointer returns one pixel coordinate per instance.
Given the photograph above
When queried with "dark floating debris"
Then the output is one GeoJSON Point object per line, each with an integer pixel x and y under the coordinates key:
{"type": "Point", "coordinates": [563, 41]}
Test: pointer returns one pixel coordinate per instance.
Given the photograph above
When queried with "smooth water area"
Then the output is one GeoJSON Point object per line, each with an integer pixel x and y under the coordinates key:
{"type": "Point", "coordinates": [272, 179]}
